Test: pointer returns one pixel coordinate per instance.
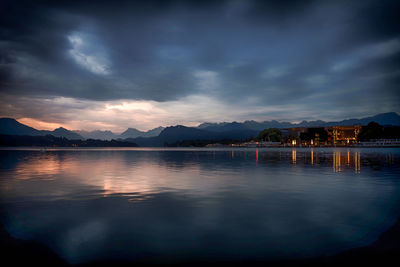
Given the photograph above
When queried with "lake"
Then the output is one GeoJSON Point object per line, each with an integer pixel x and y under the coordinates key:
{"type": "Point", "coordinates": [175, 205]}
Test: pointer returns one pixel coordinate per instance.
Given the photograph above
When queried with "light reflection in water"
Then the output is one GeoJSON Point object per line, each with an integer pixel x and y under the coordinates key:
{"type": "Point", "coordinates": [157, 198]}
{"type": "Point", "coordinates": [312, 156]}
{"type": "Point", "coordinates": [256, 156]}
{"type": "Point", "coordinates": [110, 173]}
{"type": "Point", "coordinates": [357, 162]}
{"type": "Point", "coordinates": [348, 158]}
{"type": "Point", "coordinates": [336, 161]}
{"type": "Point", "coordinates": [117, 176]}
{"type": "Point", "coordinates": [43, 167]}
{"type": "Point", "coordinates": [294, 156]}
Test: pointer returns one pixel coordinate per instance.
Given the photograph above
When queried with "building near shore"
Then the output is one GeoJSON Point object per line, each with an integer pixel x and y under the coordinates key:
{"type": "Point", "coordinates": [316, 136]}
{"type": "Point", "coordinates": [343, 134]}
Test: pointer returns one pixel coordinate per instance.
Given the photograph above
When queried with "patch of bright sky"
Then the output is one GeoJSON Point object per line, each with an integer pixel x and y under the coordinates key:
{"type": "Point", "coordinates": [87, 52]}
{"type": "Point", "coordinates": [131, 106]}
{"type": "Point", "coordinates": [40, 125]}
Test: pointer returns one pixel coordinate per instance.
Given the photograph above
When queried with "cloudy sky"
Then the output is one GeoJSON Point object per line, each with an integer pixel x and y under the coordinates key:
{"type": "Point", "coordinates": [118, 64]}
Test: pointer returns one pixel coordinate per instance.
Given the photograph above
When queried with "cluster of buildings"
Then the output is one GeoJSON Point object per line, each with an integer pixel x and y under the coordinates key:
{"type": "Point", "coordinates": [317, 136]}
{"type": "Point", "coordinates": [321, 136]}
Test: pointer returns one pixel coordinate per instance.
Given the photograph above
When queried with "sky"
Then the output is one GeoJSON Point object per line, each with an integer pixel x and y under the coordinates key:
{"type": "Point", "coordinates": [117, 64]}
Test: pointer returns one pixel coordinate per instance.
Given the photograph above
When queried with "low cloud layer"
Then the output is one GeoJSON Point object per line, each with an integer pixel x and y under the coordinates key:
{"type": "Point", "coordinates": [118, 64]}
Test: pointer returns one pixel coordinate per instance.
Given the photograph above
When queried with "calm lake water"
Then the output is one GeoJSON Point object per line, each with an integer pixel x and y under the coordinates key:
{"type": "Point", "coordinates": [209, 204]}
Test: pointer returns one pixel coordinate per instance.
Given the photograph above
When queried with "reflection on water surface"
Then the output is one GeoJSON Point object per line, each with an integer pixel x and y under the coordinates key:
{"type": "Point", "coordinates": [204, 203]}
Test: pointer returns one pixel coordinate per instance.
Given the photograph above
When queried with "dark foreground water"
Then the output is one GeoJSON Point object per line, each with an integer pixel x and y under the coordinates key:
{"type": "Point", "coordinates": [178, 205]}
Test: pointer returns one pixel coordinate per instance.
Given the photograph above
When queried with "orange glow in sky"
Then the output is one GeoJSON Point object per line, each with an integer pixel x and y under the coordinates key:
{"type": "Point", "coordinates": [40, 125]}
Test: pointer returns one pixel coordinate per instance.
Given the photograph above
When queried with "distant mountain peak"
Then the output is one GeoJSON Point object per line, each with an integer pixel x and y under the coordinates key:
{"type": "Point", "coordinates": [131, 130]}
{"type": "Point", "coordinates": [133, 133]}
{"type": "Point", "coordinates": [60, 129]}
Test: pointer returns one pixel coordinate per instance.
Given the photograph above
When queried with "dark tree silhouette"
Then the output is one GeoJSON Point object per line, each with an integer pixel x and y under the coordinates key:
{"type": "Point", "coordinates": [271, 134]}
{"type": "Point", "coordinates": [372, 131]}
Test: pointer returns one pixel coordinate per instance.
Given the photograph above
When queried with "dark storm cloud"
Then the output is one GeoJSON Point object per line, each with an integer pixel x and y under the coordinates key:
{"type": "Point", "coordinates": [279, 52]}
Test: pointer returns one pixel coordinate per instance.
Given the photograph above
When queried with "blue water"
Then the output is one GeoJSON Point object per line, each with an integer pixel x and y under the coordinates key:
{"type": "Point", "coordinates": [199, 204]}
